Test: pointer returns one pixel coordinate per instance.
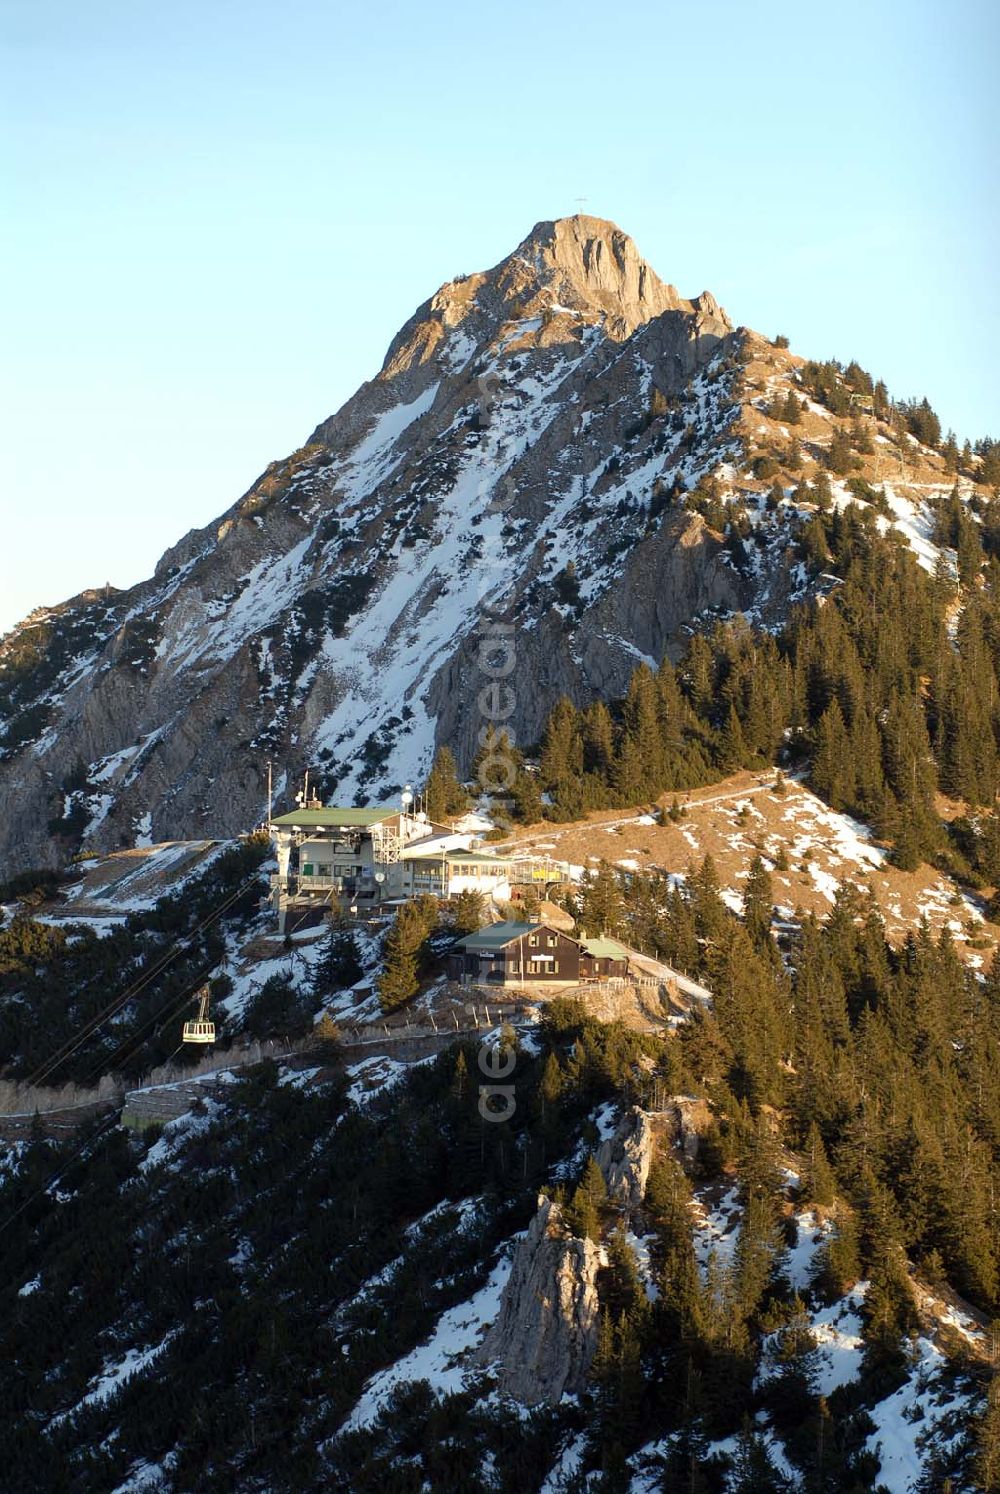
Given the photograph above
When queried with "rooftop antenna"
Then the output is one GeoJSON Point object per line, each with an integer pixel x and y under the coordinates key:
{"type": "Point", "coordinates": [580, 201]}
{"type": "Point", "coordinates": [270, 790]}
{"type": "Point", "coordinates": [406, 798]}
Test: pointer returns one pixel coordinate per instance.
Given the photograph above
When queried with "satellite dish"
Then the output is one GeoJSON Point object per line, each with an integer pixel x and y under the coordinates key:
{"type": "Point", "coordinates": [380, 876]}
{"type": "Point", "coordinates": [406, 797]}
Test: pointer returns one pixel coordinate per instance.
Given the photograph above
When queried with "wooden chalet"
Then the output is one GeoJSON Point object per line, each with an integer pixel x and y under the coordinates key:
{"type": "Point", "coordinates": [514, 954]}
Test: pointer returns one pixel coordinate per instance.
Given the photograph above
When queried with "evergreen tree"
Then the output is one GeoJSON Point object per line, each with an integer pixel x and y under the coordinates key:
{"type": "Point", "coordinates": [795, 1358]}
{"type": "Point", "coordinates": [752, 1471]}
{"type": "Point", "coordinates": [840, 457]}
{"type": "Point", "coordinates": [467, 912]}
{"type": "Point", "coordinates": [460, 1078]}
{"type": "Point", "coordinates": [404, 944]}
{"type": "Point", "coordinates": [598, 739]}
{"type": "Point", "coordinates": [818, 1184]}
{"type": "Point", "coordinates": [560, 766]}
{"type": "Point", "coordinates": [838, 1262]}
{"type": "Point", "coordinates": [758, 903]}
{"type": "Point", "coordinates": [551, 1085]}
{"type": "Point", "coordinates": [601, 903]}
{"type": "Point", "coordinates": [732, 747]}
{"type": "Point", "coordinates": [339, 965]}
{"type": "Point", "coordinates": [833, 767]}
{"type": "Point", "coordinates": [584, 1212]}
{"type": "Point", "coordinates": [445, 795]}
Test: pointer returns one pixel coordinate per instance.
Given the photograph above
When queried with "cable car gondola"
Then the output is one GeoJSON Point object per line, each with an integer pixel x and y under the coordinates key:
{"type": "Point", "coordinates": [201, 1029]}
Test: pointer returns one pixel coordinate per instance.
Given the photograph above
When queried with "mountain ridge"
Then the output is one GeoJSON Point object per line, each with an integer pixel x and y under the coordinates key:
{"type": "Point", "coordinates": [329, 618]}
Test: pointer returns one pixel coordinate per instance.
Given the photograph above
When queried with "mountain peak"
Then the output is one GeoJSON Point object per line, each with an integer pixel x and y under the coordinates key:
{"type": "Point", "coordinates": [591, 260]}
{"type": "Point", "coordinates": [591, 266]}
{"type": "Point", "coordinates": [581, 268]}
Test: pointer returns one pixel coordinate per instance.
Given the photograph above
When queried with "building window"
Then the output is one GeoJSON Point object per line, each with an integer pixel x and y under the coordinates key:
{"type": "Point", "coordinates": [555, 967]}
{"type": "Point", "coordinates": [515, 967]}
{"type": "Point", "coordinates": [532, 940]}
{"type": "Point", "coordinates": [552, 941]}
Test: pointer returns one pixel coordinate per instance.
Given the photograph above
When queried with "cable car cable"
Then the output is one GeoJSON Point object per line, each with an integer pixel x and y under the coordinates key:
{"type": "Point", "coordinates": [71, 1045]}
{"type": "Point", "coordinates": [93, 1024]}
{"type": "Point", "coordinates": [135, 1038]}
{"type": "Point", "coordinates": [60, 1171]}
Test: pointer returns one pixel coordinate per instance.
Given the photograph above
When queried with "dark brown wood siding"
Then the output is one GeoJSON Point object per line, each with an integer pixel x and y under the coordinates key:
{"type": "Point", "coordinates": [555, 957]}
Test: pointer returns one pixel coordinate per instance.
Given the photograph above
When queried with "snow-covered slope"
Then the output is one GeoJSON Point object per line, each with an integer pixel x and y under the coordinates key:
{"type": "Point", "coordinates": [521, 459]}
{"type": "Point", "coordinates": [331, 616]}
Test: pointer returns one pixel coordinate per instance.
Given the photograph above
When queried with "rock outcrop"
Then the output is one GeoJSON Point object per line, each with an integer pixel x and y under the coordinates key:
{"type": "Point", "coordinates": [625, 1158]}
{"type": "Point", "coordinates": [544, 1337]}
{"type": "Point", "coordinates": [691, 1119]}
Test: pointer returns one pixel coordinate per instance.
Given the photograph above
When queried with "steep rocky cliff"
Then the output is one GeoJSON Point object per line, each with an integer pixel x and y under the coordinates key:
{"type": "Point", "coordinates": [544, 1337]}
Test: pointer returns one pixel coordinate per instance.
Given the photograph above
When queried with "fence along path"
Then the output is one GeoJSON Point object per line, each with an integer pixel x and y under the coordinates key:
{"type": "Point", "coordinates": [25, 1100]}
{"type": "Point", "coordinates": [22, 1101]}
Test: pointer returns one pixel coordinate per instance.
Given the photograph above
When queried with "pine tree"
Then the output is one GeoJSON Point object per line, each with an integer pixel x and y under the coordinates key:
{"type": "Point", "coordinates": [707, 906]}
{"type": "Point", "coordinates": [838, 1262]}
{"type": "Point", "coordinates": [560, 767]}
{"type": "Point", "coordinates": [732, 748]}
{"type": "Point", "coordinates": [467, 912]}
{"type": "Point", "coordinates": [818, 1183]}
{"type": "Point", "coordinates": [758, 903]}
{"type": "Point", "coordinates": [339, 965]}
{"type": "Point", "coordinates": [698, 674]}
{"type": "Point", "coordinates": [987, 1436]}
{"type": "Point", "coordinates": [832, 766]}
{"type": "Point", "coordinates": [460, 1077]}
{"type": "Point", "coordinates": [840, 457]}
{"type": "Point", "coordinates": [584, 1212]}
{"type": "Point", "coordinates": [598, 741]}
{"type": "Point", "coordinates": [792, 409]}
{"type": "Point", "coordinates": [791, 1392]}
{"type": "Point", "coordinates": [601, 903]}
{"type": "Point", "coordinates": [444, 792]}
{"type": "Point", "coordinates": [551, 1086]}
{"type": "Point", "coordinates": [399, 979]}
{"type": "Point", "coordinates": [640, 734]}
{"type": "Point", "coordinates": [752, 1471]}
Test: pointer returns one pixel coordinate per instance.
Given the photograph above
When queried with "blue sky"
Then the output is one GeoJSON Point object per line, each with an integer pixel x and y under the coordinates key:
{"type": "Point", "coordinates": [219, 213]}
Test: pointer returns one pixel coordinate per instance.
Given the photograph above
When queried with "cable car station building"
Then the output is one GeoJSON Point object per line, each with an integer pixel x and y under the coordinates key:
{"type": "Point", "coordinates": [369, 856]}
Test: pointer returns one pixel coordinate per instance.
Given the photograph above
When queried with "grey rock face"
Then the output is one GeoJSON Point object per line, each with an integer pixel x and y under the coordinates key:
{"type": "Point", "coordinates": [526, 418]}
{"type": "Point", "coordinates": [625, 1159]}
{"type": "Point", "coordinates": [544, 1337]}
{"type": "Point", "coordinates": [545, 1334]}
